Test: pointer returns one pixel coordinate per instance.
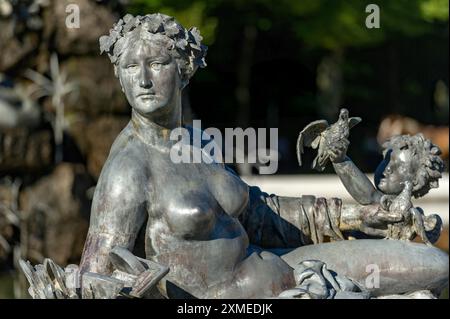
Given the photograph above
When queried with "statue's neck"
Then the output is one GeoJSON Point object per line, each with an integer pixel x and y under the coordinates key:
{"type": "Point", "coordinates": [155, 132]}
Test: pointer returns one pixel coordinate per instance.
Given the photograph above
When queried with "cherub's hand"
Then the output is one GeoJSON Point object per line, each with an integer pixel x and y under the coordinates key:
{"type": "Point", "coordinates": [337, 151]}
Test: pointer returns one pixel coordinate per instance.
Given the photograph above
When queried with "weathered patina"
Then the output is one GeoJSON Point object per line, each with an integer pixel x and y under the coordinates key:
{"type": "Point", "coordinates": [222, 238]}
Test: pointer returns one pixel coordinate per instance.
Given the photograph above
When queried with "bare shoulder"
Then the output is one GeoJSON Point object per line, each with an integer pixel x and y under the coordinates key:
{"type": "Point", "coordinates": [123, 176]}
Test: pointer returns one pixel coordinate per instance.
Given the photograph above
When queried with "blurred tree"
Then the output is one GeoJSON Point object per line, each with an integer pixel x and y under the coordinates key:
{"type": "Point", "coordinates": [294, 61]}
{"type": "Point", "coordinates": [331, 27]}
{"type": "Point", "coordinates": [188, 13]}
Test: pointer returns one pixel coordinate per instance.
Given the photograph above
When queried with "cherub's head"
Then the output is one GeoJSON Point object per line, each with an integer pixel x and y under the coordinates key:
{"type": "Point", "coordinates": [154, 57]}
{"type": "Point", "coordinates": [409, 158]}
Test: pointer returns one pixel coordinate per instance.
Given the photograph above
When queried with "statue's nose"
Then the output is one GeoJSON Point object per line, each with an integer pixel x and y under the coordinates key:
{"type": "Point", "coordinates": [145, 79]}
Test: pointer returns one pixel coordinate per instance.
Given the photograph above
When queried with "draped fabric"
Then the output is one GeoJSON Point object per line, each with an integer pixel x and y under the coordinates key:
{"type": "Point", "coordinates": [286, 222]}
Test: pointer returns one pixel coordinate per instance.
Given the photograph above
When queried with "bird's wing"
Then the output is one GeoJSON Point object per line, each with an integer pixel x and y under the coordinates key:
{"type": "Point", "coordinates": [310, 136]}
{"type": "Point", "coordinates": [316, 142]}
{"type": "Point", "coordinates": [312, 130]}
{"type": "Point", "coordinates": [299, 148]}
{"type": "Point", "coordinates": [353, 121]}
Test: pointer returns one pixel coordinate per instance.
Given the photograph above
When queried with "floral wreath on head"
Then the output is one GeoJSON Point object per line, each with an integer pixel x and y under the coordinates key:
{"type": "Point", "coordinates": [186, 42]}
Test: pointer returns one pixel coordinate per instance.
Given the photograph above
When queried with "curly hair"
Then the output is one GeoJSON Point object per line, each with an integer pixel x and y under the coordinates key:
{"type": "Point", "coordinates": [427, 154]}
{"type": "Point", "coordinates": [184, 45]}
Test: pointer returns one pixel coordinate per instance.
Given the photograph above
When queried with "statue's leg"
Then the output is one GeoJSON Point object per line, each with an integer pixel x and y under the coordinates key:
{"type": "Point", "coordinates": [380, 266]}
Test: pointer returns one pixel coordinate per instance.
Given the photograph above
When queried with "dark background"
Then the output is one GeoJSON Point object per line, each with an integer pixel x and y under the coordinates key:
{"type": "Point", "coordinates": [266, 60]}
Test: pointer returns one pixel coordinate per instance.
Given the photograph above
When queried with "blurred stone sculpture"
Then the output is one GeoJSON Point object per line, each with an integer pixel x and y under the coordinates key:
{"type": "Point", "coordinates": [206, 232]}
{"type": "Point", "coordinates": [18, 107]}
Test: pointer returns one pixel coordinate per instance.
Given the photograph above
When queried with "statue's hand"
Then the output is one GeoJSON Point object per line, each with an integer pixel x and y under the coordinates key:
{"type": "Point", "coordinates": [397, 213]}
{"type": "Point", "coordinates": [338, 150]}
{"type": "Point", "coordinates": [376, 222]}
{"type": "Point", "coordinates": [401, 225]}
{"type": "Point", "coordinates": [428, 228]}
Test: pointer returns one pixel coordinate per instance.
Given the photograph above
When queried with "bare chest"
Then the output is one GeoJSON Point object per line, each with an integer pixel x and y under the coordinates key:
{"type": "Point", "coordinates": [196, 200]}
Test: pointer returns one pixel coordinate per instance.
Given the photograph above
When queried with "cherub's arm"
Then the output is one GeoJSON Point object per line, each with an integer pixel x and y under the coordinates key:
{"type": "Point", "coordinates": [356, 182]}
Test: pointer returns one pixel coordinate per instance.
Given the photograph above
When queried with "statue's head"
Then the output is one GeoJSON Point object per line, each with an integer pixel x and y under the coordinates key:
{"type": "Point", "coordinates": [154, 57]}
{"type": "Point", "coordinates": [409, 158]}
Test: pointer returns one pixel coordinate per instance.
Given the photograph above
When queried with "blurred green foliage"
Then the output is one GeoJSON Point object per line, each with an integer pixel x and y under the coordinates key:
{"type": "Point", "coordinates": [300, 60]}
{"type": "Point", "coordinates": [188, 13]}
{"type": "Point", "coordinates": [319, 23]}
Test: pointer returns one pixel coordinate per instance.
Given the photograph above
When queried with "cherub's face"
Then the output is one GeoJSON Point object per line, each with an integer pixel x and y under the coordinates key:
{"type": "Point", "coordinates": [397, 167]}
{"type": "Point", "coordinates": [149, 75]}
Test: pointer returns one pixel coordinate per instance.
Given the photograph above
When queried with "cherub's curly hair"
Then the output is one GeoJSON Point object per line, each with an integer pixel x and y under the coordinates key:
{"type": "Point", "coordinates": [431, 165]}
{"type": "Point", "coordinates": [184, 45]}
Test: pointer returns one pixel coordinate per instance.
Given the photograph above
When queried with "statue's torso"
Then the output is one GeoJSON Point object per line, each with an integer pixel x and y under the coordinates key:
{"type": "Point", "coordinates": [193, 211]}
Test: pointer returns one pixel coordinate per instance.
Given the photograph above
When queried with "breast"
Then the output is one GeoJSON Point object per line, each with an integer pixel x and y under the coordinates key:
{"type": "Point", "coordinates": [229, 190]}
{"type": "Point", "coordinates": [198, 201]}
{"type": "Point", "coordinates": [192, 215]}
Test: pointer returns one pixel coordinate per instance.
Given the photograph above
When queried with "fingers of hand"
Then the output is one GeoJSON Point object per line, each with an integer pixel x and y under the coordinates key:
{"type": "Point", "coordinates": [338, 150]}
{"type": "Point", "coordinates": [374, 231]}
{"type": "Point", "coordinates": [334, 155]}
{"type": "Point", "coordinates": [341, 145]}
{"type": "Point", "coordinates": [390, 217]}
{"type": "Point", "coordinates": [381, 217]}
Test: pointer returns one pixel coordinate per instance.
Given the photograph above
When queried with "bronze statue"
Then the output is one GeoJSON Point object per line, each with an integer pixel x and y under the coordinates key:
{"type": "Point", "coordinates": [218, 236]}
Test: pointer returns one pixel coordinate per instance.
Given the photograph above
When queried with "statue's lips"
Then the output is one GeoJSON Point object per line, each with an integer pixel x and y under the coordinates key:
{"type": "Point", "coordinates": [145, 95]}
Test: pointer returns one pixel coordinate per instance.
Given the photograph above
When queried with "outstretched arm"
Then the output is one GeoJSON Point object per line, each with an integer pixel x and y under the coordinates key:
{"type": "Point", "coordinates": [356, 182]}
{"type": "Point", "coordinates": [273, 221]}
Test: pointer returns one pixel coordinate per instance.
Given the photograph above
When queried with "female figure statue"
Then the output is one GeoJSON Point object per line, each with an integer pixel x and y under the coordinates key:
{"type": "Point", "coordinates": [220, 237]}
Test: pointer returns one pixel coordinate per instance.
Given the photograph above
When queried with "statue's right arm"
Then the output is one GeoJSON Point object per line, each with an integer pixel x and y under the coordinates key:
{"type": "Point", "coordinates": [356, 182]}
{"type": "Point", "coordinates": [117, 214]}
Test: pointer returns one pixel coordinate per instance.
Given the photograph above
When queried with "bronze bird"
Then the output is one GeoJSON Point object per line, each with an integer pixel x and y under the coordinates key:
{"type": "Point", "coordinates": [402, 203]}
{"type": "Point", "coordinates": [319, 134]}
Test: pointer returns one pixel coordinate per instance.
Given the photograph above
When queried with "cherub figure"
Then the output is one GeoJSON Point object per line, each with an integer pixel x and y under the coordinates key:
{"type": "Point", "coordinates": [411, 167]}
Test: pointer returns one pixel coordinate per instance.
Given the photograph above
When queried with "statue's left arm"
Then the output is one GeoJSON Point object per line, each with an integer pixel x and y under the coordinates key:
{"type": "Point", "coordinates": [273, 221]}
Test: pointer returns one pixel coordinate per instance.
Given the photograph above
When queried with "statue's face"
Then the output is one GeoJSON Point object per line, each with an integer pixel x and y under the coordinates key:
{"type": "Point", "coordinates": [397, 167]}
{"type": "Point", "coordinates": [149, 75]}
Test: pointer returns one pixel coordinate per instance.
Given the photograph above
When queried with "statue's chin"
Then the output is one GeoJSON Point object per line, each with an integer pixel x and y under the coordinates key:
{"type": "Point", "coordinates": [383, 187]}
{"type": "Point", "coordinates": [380, 184]}
{"type": "Point", "coordinates": [150, 108]}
